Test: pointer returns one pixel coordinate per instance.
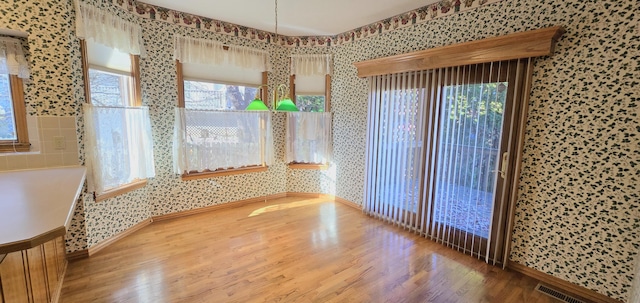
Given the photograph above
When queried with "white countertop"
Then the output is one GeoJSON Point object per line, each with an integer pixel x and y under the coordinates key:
{"type": "Point", "coordinates": [37, 205]}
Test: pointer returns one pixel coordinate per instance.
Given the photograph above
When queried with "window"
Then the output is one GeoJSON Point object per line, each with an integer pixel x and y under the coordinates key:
{"type": "Point", "coordinates": [213, 133]}
{"type": "Point", "coordinates": [119, 147]}
{"type": "Point", "coordinates": [309, 138]}
{"type": "Point", "coordinates": [216, 96]}
{"type": "Point", "coordinates": [13, 124]}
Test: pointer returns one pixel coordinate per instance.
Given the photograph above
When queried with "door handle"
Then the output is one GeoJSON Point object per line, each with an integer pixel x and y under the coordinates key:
{"type": "Point", "coordinates": [505, 165]}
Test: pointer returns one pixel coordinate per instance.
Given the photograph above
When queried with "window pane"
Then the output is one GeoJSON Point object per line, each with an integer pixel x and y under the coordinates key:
{"type": "Point", "coordinates": [310, 103]}
{"type": "Point", "coordinates": [110, 89]}
{"type": "Point", "coordinates": [209, 96]}
{"type": "Point", "coordinates": [7, 120]}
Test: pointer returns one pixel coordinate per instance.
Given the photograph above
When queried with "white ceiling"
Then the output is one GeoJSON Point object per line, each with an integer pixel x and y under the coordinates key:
{"type": "Point", "coordinates": [296, 17]}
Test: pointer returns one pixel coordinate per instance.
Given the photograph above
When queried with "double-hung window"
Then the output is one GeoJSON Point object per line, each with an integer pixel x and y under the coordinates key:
{"type": "Point", "coordinates": [214, 135]}
{"type": "Point", "coordinates": [309, 139]}
{"type": "Point", "coordinates": [13, 124]}
{"type": "Point", "coordinates": [119, 146]}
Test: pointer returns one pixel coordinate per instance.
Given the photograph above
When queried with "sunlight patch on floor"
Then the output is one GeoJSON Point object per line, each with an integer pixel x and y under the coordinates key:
{"type": "Point", "coordinates": [289, 205]}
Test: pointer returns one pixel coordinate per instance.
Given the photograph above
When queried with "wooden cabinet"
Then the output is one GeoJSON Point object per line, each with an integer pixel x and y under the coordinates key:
{"type": "Point", "coordinates": [33, 275]}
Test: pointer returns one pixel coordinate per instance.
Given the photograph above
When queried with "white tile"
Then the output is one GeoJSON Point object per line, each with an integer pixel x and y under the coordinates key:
{"type": "Point", "coordinates": [36, 161]}
{"type": "Point", "coordinates": [69, 134]}
{"type": "Point", "coordinates": [70, 158]}
{"type": "Point", "coordinates": [49, 122]}
{"type": "Point", "coordinates": [3, 163]}
{"type": "Point", "coordinates": [49, 133]}
{"type": "Point", "coordinates": [67, 122]}
{"type": "Point", "coordinates": [54, 160]}
{"type": "Point", "coordinates": [17, 162]}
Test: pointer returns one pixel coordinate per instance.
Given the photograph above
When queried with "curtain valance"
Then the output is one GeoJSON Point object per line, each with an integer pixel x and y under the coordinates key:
{"type": "Point", "coordinates": [12, 59]}
{"type": "Point", "coordinates": [312, 65]}
{"type": "Point", "coordinates": [203, 51]}
{"type": "Point", "coordinates": [108, 29]}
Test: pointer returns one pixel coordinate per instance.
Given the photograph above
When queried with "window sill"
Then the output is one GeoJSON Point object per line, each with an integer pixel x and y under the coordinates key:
{"type": "Point", "coordinates": [315, 166]}
{"type": "Point", "coordinates": [14, 147]}
{"type": "Point", "coordinates": [121, 190]}
{"type": "Point", "coordinates": [225, 172]}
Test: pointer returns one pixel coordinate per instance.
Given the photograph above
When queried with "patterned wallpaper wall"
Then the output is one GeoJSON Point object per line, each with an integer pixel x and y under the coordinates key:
{"type": "Point", "coordinates": [577, 214]}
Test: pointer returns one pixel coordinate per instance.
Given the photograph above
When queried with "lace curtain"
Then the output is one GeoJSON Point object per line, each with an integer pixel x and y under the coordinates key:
{"type": "Point", "coordinates": [213, 140]}
{"type": "Point", "coordinates": [107, 29]}
{"type": "Point", "coordinates": [203, 51]}
{"type": "Point", "coordinates": [12, 59]}
{"type": "Point", "coordinates": [311, 65]}
{"type": "Point", "coordinates": [308, 137]}
{"type": "Point", "coordinates": [119, 146]}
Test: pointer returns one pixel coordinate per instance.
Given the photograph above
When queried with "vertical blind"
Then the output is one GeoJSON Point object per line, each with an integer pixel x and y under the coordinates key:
{"type": "Point", "coordinates": [435, 149]}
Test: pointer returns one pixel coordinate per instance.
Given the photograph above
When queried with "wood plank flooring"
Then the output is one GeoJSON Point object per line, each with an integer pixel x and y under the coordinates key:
{"type": "Point", "coordinates": [287, 250]}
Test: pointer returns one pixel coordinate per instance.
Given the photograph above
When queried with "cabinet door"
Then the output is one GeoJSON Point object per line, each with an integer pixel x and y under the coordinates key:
{"type": "Point", "coordinates": [61, 256]}
{"type": "Point", "coordinates": [13, 279]}
{"type": "Point", "coordinates": [37, 274]}
{"type": "Point", "coordinates": [51, 266]}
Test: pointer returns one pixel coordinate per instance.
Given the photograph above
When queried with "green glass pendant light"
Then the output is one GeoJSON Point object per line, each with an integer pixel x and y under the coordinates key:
{"type": "Point", "coordinates": [257, 104]}
{"type": "Point", "coordinates": [287, 105]}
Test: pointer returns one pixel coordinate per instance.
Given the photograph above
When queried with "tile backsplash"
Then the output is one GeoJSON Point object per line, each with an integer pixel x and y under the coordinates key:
{"type": "Point", "coordinates": [43, 130]}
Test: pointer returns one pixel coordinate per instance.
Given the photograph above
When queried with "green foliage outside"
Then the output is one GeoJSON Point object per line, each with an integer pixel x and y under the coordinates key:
{"type": "Point", "coordinates": [309, 103]}
{"type": "Point", "coordinates": [471, 134]}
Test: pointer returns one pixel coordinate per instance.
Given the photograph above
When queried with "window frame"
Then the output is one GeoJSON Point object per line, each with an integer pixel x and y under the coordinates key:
{"type": "Point", "coordinates": [21, 144]}
{"type": "Point", "coordinates": [327, 108]}
{"type": "Point", "coordinates": [135, 101]}
{"type": "Point", "coordinates": [220, 172]}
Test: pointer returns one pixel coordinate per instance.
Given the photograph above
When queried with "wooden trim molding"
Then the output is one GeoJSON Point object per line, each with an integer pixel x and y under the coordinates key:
{"type": "Point", "coordinates": [78, 255]}
{"type": "Point", "coordinates": [308, 166]}
{"type": "Point", "coordinates": [222, 173]}
{"type": "Point", "coordinates": [534, 43]}
{"type": "Point", "coordinates": [265, 92]}
{"type": "Point", "coordinates": [121, 190]}
{"type": "Point", "coordinates": [137, 87]}
{"type": "Point", "coordinates": [180, 77]}
{"type": "Point", "coordinates": [569, 287]}
{"type": "Point", "coordinates": [104, 244]}
{"type": "Point", "coordinates": [327, 93]}
{"type": "Point", "coordinates": [85, 70]}
{"type": "Point", "coordinates": [216, 207]}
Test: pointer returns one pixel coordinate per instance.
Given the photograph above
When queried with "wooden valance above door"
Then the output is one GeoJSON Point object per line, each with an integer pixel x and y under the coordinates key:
{"type": "Point", "coordinates": [534, 43]}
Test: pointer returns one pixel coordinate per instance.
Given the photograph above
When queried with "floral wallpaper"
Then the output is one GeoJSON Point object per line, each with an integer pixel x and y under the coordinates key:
{"type": "Point", "coordinates": [577, 215]}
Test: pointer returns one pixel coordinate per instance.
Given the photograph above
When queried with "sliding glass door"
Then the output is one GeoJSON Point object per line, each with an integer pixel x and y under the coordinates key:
{"type": "Point", "coordinates": [438, 156]}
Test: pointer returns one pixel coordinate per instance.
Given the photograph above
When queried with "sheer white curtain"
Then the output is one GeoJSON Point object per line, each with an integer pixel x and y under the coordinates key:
{"type": "Point", "coordinates": [107, 29]}
{"type": "Point", "coordinates": [214, 140]}
{"type": "Point", "coordinates": [119, 146]}
{"type": "Point", "coordinates": [308, 138]}
{"type": "Point", "coordinates": [203, 51]}
{"type": "Point", "coordinates": [312, 65]}
{"type": "Point", "coordinates": [12, 59]}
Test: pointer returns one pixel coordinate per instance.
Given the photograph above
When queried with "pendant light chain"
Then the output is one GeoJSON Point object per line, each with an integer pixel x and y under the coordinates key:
{"type": "Point", "coordinates": [276, 21]}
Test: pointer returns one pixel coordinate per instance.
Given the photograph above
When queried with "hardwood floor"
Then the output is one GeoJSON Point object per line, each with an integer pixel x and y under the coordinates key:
{"type": "Point", "coordinates": [287, 250]}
